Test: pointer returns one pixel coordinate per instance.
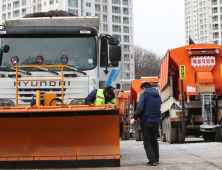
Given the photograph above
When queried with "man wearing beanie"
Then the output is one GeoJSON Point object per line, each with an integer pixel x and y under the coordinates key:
{"type": "Point", "coordinates": [148, 110]}
{"type": "Point", "coordinates": [101, 96]}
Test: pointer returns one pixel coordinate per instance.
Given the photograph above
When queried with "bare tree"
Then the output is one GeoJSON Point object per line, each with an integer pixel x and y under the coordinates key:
{"type": "Point", "coordinates": [147, 63]}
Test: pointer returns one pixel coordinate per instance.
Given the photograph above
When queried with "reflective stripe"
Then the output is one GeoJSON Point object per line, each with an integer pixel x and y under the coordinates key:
{"type": "Point", "coordinates": [100, 97]}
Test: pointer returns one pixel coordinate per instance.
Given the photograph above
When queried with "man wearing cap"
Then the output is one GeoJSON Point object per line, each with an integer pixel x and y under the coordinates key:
{"type": "Point", "coordinates": [148, 110]}
{"type": "Point", "coordinates": [101, 96]}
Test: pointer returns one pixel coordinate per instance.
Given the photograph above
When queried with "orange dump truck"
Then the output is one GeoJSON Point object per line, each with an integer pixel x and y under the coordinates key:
{"type": "Point", "coordinates": [135, 93]}
{"type": "Point", "coordinates": [190, 88]}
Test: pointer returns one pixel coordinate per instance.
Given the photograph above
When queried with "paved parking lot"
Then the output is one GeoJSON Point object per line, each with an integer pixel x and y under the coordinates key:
{"type": "Point", "coordinates": [195, 154]}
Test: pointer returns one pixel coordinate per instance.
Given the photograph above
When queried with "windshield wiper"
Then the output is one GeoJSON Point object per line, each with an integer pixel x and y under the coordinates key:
{"type": "Point", "coordinates": [72, 68]}
{"type": "Point", "coordinates": [22, 71]}
{"type": "Point", "coordinates": [44, 69]}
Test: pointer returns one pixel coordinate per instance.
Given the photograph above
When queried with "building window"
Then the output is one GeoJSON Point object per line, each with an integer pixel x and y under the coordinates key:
{"type": "Point", "coordinates": [116, 2]}
{"type": "Point", "coordinates": [34, 8]}
{"type": "Point", "coordinates": [126, 57]}
{"type": "Point", "coordinates": [98, 15]}
{"type": "Point", "coordinates": [51, 2]}
{"type": "Point", "coordinates": [3, 16]}
{"type": "Point", "coordinates": [24, 11]}
{"type": "Point", "coordinates": [116, 19]}
{"type": "Point", "coordinates": [116, 9]}
{"type": "Point", "coordinates": [214, 2]}
{"type": "Point", "coordinates": [88, 4]}
{"type": "Point", "coordinates": [97, 7]}
{"type": "Point", "coordinates": [9, 15]}
{"type": "Point", "coordinates": [216, 42]}
{"type": "Point", "coordinates": [126, 48]}
{"type": "Point", "coordinates": [105, 9]}
{"type": "Point", "coordinates": [126, 29]}
{"type": "Point", "coordinates": [39, 7]}
{"type": "Point", "coordinates": [215, 26]}
{"type": "Point", "coordinates": [105, 27]}
{"type": "Point", "coordinates": [126, 67]}
{"type": "Point", "coordinates": [215, 35]}
{"type": "Point", "coordinates": [97, 0]}
{"type": "Point", "coordinates": [116, 28]}
{"type": "Point", "coordinates": [214, 10]}
{"type": "Point", "coordinates": [126, 38]}
{"type": "Point", "coordinates": [23, 2]}
{"type": "Point", "coordinates": [126, 11]}
{"type": "Point", "coordinates": [105, 19]}
{"type": "Point", "coordinates": [73, 11]}
{"type": "Point", "coordinates": [125, 2]}
{"type": "Point", "coordinates": [126, 20]}
{"type": "Point", "coordinates": [126, 75]}
{"type": "Point", "coordinates": [16, 4]}
{"type": "Point", "coordinates": [73, 3]}
{"type": "Point", "coordinates": [9, 6]}
{"type": "Point", "coordinates": [88, 13]}
{"type": "Point", "coordinates": [117, 36]}
{"type": "Point", "coordinates": [33, 1]}
{"type": "Point", "coordinates": [215, 18]}
{"type": "Point", "coordinates": [16, 13]}
{"type": "Point", "coordinates": [3, 7]}
{"type": "Point", "coordinates": [104, 1]}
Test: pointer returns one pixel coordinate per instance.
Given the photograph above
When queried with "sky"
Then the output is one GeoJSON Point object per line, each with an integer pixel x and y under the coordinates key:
{"type": "Point", "coordinates": [159, 24]}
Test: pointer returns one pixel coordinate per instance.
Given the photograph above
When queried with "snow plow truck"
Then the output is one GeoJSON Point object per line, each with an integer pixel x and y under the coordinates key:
{"type": "Point", "coordinates": [47, 68]}
{"type": "Point", "coordinates": [190, 89]}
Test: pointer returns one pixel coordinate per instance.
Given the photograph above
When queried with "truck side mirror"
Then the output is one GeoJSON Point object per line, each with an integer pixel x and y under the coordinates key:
{"type": "Point", "coordinates": [114, 53]}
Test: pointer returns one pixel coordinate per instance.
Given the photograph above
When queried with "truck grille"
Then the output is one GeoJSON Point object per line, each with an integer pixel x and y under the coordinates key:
{"type": "Point", "coordinates": [25, 95]}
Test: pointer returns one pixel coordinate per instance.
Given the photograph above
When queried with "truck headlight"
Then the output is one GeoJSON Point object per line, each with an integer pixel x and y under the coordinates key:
{"type": "Point", "coordinates": [39, 59]}
{"type": "Point", "coordinates": [77, 102]}
{"type": "Point", "coordinates": [64, 59]}
{"type": "Point", "coordinates": [15, 60]}
{"type": "Point", "coordinates": [6, 102]}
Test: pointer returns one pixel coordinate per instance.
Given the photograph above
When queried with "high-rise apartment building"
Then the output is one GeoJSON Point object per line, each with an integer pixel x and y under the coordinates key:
{"type": "Point", "coordinates": [116, 18]}
{"type": "Point", "coordinates": [203, 21]}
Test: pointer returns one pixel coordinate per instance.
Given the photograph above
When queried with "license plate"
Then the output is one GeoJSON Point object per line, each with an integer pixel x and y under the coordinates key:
{"type": "Point", "coordinates": [198, 118]}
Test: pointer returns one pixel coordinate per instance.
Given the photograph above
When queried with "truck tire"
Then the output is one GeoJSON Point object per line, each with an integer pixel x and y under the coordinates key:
{"type": "Point", "coordinates": [215, 136]}
{"type": "Point", "coordinates": [141, 136]}
{"type": "Point", "coordinates": [127, 135]}
{"type": "Point", "coordinates": [218, 134]}
{"type": "Point", "coordinates": [137, 135]}
{"type": "Point", "coordinates": [162, 136]}
{"type": "Point", "coordinates": [123, 135]}
{"type": "Point", "coordinates": [172, 133]}
{"type": "Point", "coordinates": [206, 136]}
{"type": "Point", "coordinates": [181, 136]}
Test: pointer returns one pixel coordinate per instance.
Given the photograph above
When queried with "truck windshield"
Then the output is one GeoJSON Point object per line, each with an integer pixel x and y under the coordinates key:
{"type": "Point", "coordinates": [81, 52]}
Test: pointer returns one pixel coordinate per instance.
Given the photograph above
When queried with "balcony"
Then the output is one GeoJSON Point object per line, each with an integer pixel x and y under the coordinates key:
{"type": "Point", "coordinates": [116, 20]}
{"type": "Point", "coordinates": [126, 12]}
{"type": "Point", "coordinates": [4, 9]}
{"type": "Point", "coordinates": [126, 21]}
{"type": "Point", "coordinates": [97, 9]}
{"type": "Point", "coordinates": [23, 3]}
{"type": "Point", "coordinates": [214, 3]}
{"type": "Point", "coordinates": [15, 5]}
{"type": "Point", "coordinates": [116, 11]}
{"type": "Point", "coordinates": [116, 30]}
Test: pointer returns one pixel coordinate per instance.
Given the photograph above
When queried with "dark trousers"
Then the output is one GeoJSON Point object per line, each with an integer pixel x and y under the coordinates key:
{"type": "Point", "coordinates": [150, 135]}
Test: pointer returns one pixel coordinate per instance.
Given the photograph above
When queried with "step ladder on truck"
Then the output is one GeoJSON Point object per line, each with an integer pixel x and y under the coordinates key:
{"type": "Point", "coordinates": [48, 67]}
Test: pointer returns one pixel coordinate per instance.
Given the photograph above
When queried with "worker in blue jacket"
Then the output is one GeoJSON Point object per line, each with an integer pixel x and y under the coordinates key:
{"type": "Point", "coordinates": [148, 110]}
{"type": "Point", "coordinates": [101, 96]}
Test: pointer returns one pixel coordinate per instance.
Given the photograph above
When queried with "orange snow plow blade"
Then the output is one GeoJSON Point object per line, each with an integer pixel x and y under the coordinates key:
{"type": "Point", "coordinates": [59, 137]}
